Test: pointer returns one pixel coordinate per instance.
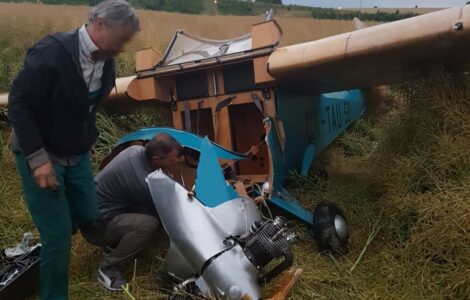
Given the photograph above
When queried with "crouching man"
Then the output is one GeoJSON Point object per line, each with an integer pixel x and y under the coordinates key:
{"type": "Point", "coordinates": [128, 219]}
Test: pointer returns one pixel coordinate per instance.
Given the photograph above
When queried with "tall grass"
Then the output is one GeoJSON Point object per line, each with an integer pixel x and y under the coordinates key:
{"type": "Point", "coordinates": [14, 218]}
{"type": "Point", "coordinates": [423, 164]}
{"type": "Point", "coordinates": [404, 180]}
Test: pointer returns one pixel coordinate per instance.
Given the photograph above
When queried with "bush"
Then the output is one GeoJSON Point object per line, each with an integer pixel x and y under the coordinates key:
{"type": "Point", "coordinates": [183, 6]}
{"type": "Point", "coordinates": [330, 13]}
{"type": "Point", "coordinates": [234, 7]}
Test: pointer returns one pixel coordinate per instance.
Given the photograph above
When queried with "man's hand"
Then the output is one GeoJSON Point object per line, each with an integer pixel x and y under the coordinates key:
{"type": "Point", "coordinates": [45, 176]}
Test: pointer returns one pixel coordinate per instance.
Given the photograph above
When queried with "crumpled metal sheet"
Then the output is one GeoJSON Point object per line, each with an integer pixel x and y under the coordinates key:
{"type": "Point", "coordinates": [211, 187]}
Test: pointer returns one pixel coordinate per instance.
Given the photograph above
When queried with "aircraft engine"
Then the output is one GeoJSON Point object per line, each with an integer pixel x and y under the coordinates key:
{"type": "Point", "coordinates": [220, 251]}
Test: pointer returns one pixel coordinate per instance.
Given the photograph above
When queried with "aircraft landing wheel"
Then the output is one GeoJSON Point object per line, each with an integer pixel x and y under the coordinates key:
{"type": "Point", "coordinates": [330, 228]}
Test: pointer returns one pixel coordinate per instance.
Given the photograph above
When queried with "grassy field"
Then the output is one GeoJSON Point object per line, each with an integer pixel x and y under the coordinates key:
{"type": "Point", "coordinates": [401, 174]}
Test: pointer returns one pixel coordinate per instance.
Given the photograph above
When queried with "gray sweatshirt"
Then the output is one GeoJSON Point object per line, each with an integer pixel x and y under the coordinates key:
{"type": "Point", "coordinates": [121, 186]}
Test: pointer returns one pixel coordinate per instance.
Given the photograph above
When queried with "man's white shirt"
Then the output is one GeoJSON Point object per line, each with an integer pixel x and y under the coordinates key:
{"type": "Point", "coordinates": [92, 71]}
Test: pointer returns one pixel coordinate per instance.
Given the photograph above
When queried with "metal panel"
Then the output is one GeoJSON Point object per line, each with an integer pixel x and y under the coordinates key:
{"type": "Point", "coordinates": [232, 275]}
{"type": "Point", "coordinates": [236, 216]}
{"type": "Point", "coordinates": [184, 138]}
{"type": "Point", "coordinates": [310, 124]}
{"type": "Point", "coordinates": [176, 264]}
{"type": "Point", "coordinates": [316, 120]}
{"type": "Point", "coordinates": [187, 222]}
{"type": "Point", "coordinates": [211, 187]}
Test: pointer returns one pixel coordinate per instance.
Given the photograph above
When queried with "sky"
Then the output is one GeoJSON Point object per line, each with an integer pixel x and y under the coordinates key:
{"type": "Point", "coordinates": [378, 3]}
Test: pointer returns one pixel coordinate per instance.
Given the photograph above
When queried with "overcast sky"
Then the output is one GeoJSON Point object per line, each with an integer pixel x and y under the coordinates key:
{"type": "Point", "coordinates": [378, 3]}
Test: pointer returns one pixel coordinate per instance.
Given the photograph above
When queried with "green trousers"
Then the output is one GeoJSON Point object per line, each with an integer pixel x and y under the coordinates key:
{"type": "Point", "coordinates": [56, 214]}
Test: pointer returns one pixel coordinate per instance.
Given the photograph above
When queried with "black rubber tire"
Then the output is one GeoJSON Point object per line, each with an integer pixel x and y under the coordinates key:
{"type": "Point", "coordinates": [324, 230]}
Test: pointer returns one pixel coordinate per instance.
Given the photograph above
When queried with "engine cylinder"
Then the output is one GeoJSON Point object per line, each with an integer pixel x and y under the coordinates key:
{"type": "Point", "coordinates": [269, 240]}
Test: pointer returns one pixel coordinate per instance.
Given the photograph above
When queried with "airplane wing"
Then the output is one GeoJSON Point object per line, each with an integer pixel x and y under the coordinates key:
{"type": "Point", "coordinates": [377, 55]}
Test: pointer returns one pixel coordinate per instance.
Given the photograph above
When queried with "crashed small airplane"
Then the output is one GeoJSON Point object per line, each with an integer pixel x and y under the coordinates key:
{"type": "Point", "coordinates": [248, 112]}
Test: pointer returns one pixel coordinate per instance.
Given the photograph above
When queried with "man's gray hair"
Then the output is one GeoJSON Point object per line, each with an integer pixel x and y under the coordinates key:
{"type": "Point", "coordinates": [115, 12]}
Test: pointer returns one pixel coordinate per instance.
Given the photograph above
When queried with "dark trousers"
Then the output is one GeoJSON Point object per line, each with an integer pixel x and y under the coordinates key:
{"type": "Point", "coordinates": [124, 236]}
{"type": "Point", "coordinates": [55, 214]}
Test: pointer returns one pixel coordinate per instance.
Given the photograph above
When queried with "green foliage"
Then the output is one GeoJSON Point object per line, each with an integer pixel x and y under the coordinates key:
{"type": "Point", "coordinates": [429, 136]}
{"type": "Point", "coordinates": [183, 6]}
{"type": "Point", "coordinates": [361, 141]}
{"type": "Point", "coordinates": [11, 56]}
{"type": "Point", "coordinates": [71, 2]}
{"type": "Point", "coordinates": [235, 7]}
{"type": "Point", "coordinates": [112, 127]}
{"type": "Point", "coordinates": [330, 13]}
{"type": "Point", "coordinates": [422, 163]}
{"type": "Point", "coordinates": [270, 1]}
{"type": "Point", "coordinates": [14, 218]}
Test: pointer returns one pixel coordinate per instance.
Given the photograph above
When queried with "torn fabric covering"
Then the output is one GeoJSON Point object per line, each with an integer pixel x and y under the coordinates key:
{"type": "Point", "coordinates": [186, 48]}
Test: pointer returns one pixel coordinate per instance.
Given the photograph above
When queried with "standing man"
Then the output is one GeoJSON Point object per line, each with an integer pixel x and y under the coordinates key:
{"type": "Point", "coordinates": [52, 106]}
{"type": "Point", "coordinates": [128, 219]}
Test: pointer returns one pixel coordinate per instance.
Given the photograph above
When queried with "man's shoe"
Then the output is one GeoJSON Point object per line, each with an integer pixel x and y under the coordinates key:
{"type": "Point", "coordinates": [111, 278]}
{"type": "Point", "coordinates": [107, 249]}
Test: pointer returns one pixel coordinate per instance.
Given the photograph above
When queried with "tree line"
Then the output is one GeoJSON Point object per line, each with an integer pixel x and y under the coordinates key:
{"type": "Point", "coordinates": [379, 16]}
